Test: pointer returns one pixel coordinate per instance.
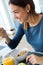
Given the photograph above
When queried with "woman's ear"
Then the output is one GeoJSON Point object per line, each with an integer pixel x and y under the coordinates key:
{"type": "Point", "coordinates": [27, 8]}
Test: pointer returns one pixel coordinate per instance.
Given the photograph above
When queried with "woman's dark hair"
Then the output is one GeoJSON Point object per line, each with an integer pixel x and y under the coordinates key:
{"type": "Point", "coordinates": [23, 3]}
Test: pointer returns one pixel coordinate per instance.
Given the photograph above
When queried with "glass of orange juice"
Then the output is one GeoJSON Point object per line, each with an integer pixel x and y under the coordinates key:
{"type": "Point", "coordinates": [8, 61]}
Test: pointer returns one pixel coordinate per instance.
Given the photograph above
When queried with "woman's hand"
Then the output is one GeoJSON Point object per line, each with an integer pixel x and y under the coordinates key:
{"type": "Point", "coordinates": [3, 34]}
{"type": "Point", "coordinates": [34, 59]}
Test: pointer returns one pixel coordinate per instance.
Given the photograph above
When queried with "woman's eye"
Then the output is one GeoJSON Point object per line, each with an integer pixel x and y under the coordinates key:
{"type": "Point", "coordinates": [16, 12]}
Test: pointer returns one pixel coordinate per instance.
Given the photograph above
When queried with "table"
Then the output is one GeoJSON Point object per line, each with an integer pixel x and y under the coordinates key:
{"type": "Point", "coordinates": [14, 52]}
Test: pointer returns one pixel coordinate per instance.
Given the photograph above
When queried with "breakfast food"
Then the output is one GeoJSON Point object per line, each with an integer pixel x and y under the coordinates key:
{"type": "Point", "coordinates": [22, 53]}
{"type": "Point", "coordinates": [21, 64]}
{"type": "Point", "coordinates": [8, 61]}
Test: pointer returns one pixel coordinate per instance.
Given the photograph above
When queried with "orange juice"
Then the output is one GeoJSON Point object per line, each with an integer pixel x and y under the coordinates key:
{"type": "Point", "coordinates": [8, 61]}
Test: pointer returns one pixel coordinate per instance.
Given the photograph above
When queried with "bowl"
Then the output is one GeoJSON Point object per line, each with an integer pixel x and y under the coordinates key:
{"type": "Point", "coordinates": [22, 54]}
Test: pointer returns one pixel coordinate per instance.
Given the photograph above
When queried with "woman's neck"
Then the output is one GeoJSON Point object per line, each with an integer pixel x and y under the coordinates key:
{"type": "Point", "coordinates": [34, 19]}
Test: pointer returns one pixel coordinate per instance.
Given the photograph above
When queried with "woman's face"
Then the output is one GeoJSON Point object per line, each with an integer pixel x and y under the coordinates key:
{"type": "Point", "coordinates": [19, 13]}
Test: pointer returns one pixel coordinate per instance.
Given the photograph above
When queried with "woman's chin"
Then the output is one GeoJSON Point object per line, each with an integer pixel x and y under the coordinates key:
{"type": "Point", "coordinates": [21, 23]}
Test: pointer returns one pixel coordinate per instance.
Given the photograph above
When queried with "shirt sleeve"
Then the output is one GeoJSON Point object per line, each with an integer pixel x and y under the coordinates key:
{"type": "Point", "coordinates": [13, 43]}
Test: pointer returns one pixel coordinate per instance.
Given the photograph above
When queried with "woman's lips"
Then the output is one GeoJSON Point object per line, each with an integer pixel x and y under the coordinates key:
{"type": "Point", "coordinates": [20, 20]}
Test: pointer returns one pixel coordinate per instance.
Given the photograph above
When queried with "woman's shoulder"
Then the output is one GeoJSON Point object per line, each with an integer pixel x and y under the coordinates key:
{"type": "Point", "coordinates": [40, 20]}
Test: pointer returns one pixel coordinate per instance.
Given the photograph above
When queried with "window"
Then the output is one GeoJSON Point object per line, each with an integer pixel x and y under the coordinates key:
{"type": "Point", "coordinates": [6, 19]}
{"type": "Point", "coordinates": [37, 6]}
{"type": "Point", "coordinates": [3, 17]}
{"type": "Point", "coordinates": [41, 5]}
{"type": "Point", "coordinates": [7, 22]}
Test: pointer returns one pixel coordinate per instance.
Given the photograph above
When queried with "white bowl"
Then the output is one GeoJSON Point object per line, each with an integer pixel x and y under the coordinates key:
{"type": "Point", "coordinates": [22, 57]}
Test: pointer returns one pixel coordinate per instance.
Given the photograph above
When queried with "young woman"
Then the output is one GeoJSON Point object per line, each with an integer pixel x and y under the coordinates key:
{"type": "Point", "coordinates": [31, 25]}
